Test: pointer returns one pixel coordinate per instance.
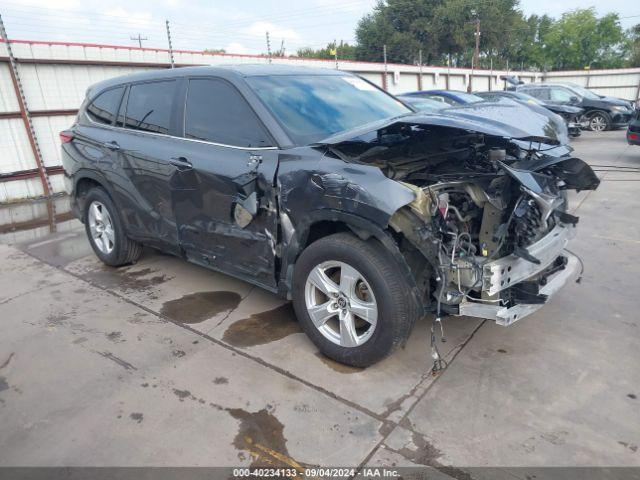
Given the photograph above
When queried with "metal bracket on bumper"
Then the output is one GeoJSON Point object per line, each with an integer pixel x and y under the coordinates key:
{"type": "Point", "coordinates": [507, 271]}
{"type": "Point", "coordinates": [506, 316]}
{"type": "Point", "coordinates": [511, 270]}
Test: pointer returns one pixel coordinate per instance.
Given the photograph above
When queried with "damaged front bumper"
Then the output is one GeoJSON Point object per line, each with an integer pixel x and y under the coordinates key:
{"type": "Point", "coordinates": [509, 271]}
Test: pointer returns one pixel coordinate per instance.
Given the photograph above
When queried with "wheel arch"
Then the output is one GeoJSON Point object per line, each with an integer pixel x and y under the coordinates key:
{"type": "Point", "coordinates": [84, 181]}
{"type": "Point", "coordinates": [322, 223]}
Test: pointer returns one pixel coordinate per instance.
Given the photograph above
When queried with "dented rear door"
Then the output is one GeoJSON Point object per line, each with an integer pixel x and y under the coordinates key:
{"type": "Point", "coordinates": [222, 189]}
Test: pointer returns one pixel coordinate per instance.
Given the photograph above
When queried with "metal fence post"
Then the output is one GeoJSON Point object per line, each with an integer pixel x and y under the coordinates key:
{"type": "Point", "coordinates": [420, 69]}
{"type": "Point", "coordinates": [170, 46]}
{"type": "Point", "coordinates": [384, 57]}
{"type": "Point", "coordinates": [28, 125]}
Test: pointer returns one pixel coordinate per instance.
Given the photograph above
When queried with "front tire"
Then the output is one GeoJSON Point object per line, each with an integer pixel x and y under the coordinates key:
{"type": "Point", "coordinates": [599, 122]}
{"type": "Point", "coordinates": [105, 230]}
{"type": "Point", "coordinates": [352, 299]}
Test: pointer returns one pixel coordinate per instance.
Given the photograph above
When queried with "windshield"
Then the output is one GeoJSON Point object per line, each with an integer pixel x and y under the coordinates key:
{"type": "Point", "coordinates": [527, 98]}
{"type": "Point", "coordinates": [423, 104]}
{"type": "Point", "coordinates": [313, 107]}
{"type": "Point", "coordinates": [468, 97]}
{"type": "Point", "coordinates": [583, 92]}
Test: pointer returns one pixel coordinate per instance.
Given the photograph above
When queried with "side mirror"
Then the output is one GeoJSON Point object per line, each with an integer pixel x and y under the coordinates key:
{"type": "Point", "coordinates": [574, 100]}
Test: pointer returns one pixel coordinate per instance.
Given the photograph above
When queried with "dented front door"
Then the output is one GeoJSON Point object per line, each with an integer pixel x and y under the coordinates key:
{"type": "Point", "coordinates": [225, 208]}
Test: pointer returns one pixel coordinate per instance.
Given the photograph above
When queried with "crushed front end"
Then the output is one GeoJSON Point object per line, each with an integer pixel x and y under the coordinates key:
{"type": "Point", "coordinates": [486, 235]}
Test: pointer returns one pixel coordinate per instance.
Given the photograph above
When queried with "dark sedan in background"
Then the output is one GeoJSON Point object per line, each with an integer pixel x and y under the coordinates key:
{"type": "Point", "coordinates": [603, 113]}
{"type": "Point", "coordinates": [458, 103]}
{"type": "Point", "coordinates": [448, 97]}
{"type": "Point", "coordinates": [571, 115]}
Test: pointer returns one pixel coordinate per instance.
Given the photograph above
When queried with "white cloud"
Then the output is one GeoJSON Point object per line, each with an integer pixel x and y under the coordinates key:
{"type": "Point", "coordinates": [236, 47]}
{"type": "Point", "coordinates": [276, 32]}
{"type": "Point", "coordinates": [132, 18]}
{"type": "Point", "coordinates": [59, 4]}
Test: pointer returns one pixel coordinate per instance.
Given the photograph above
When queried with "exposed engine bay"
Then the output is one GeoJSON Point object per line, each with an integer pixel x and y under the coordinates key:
{"type": "Point", "coordinates": [486, 233]}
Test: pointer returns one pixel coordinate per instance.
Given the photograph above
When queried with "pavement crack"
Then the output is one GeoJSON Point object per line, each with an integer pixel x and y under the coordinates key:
{"type": "Point", "coordinates": [6, 362]}
{"type": "Point", "coordinates": [110, 356]}
{"type": "Point", "coordinates": [402, 421]}
{"type": "Point", "coordinates": [220, 343]}
{"type": "Point", "coordinates": [242, 299]}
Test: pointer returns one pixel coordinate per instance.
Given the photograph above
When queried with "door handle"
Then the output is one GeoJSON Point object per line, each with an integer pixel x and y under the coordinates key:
{"type": "Point", "coordinates": [181, 163]}
{"type": "Point", "coordinates": [112, 145]}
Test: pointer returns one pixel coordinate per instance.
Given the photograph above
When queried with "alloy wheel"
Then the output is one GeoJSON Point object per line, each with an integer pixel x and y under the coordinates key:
{"type": "Point", "coordinates": [341, 304]}
{"type": "Point", "coordinates": [598, 123]}
{"type": "Point", "coordinates": [101, 227]}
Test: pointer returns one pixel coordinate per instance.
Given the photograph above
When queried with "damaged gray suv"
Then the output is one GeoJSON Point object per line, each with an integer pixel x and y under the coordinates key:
{"type": "Point", "coordinates": [318, 186]}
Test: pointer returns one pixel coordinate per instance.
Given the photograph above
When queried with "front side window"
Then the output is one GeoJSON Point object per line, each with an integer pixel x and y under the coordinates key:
{"type": "Point", "coordinates": [216, 112]}
{"type": "Point", "coordinates": [104, 107]}
{"type": "Point", "coordinates": [561, 95]}
{"type": "Point", "coordinates": [149, 106]}
{"type": "Point", "coordinates": [313, 107]}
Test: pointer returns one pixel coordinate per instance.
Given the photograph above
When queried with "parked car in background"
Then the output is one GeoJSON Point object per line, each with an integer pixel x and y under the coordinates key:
{"type": "Point", "coordinates": [571, 115]}
{"type": "Point", "coordinates": [423, 104]}
{"type": "Point", "coordinates": [321, 187]}
{"type": "Point", "coordinates": [483, 110]}
{"type": "Point", "coordinates": [602, 113]}
{"type": "Point", "coordinates": [633, 131]}
{"type": "Point", "coordinates": [450, 97]}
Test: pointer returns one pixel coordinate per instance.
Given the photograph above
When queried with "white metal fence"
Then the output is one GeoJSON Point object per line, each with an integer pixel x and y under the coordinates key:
{"type": "Point", "coordinates": [56, 75]}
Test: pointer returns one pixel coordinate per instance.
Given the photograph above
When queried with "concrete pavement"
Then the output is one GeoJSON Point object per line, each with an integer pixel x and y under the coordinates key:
{"type": "Point", "coordinates": [166, 363]}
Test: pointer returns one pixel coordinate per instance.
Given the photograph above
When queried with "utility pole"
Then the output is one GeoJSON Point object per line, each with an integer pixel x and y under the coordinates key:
{"type": "Point", "coordinates": [173, 65]}
{"type": "Point", "coordinates": [476, 52]}
{"type": "Point", "coordinates": [384, 56]}
{"type": "Point", "coordinates": [139, 39]}
{"type": "Point", "coordinates": [268, 47]}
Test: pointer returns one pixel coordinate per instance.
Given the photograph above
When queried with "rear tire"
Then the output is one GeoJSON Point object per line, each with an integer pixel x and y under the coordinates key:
{"type": "Point", "coordinates": [105, 230]}
{"type": "Point", "coordinates": [377, 283]}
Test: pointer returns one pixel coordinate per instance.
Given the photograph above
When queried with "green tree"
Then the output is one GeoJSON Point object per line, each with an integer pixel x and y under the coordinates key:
{"type": "Point", "coordinates": [442, 29]}
{"type": "Point", "coordinates": [634, 46]}
{"type": "Point", "coordinates": [343, 49]}
{"type": "Point", "coordinates": [581, 40]}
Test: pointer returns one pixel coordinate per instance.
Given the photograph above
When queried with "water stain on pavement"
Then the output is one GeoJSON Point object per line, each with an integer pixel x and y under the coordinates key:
{"type": "Point", "coordinates": [220, 380]}
{"type": "Point", "coordinates": [261, 434]}
{"type": "Point", "coordinates": [138, 417]}
{"type": "Point", "coordinates": [137, 280]}
{"type": "Point", "coordinates": [3, 384]}
{"type": "Point", "coordinates": [263, 327]}
{"type": "Point", "coordinates": [338, 367]}
{"type": "Point", "coordinates": [200, 306]}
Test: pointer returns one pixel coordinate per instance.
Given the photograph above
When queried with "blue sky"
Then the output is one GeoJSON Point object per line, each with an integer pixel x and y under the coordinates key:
{"type": "Point", "coordinates": [237, 26]}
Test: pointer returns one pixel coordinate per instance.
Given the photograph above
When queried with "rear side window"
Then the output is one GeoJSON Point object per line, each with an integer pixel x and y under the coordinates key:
{"type": "Point", "coordinates": [217, 112]}
{"type": "Point", "coordinates": [149, 106]}
{"type": "Point", "coordinates": [539, 93]}
{"type": "Point", "coordinates": [104, 107]}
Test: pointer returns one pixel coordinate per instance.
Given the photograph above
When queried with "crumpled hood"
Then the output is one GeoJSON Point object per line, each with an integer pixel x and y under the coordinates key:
{"type": "Point", "coordinates": [510, 121]}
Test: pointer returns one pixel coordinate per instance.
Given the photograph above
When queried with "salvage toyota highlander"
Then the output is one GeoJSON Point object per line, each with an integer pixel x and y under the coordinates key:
{"type": "Point", "coordinates": [319, 186]}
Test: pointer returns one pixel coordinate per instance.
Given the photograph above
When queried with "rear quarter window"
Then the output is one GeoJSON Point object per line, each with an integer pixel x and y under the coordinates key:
{"type": "Point", "coordinates": [104, 107]}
